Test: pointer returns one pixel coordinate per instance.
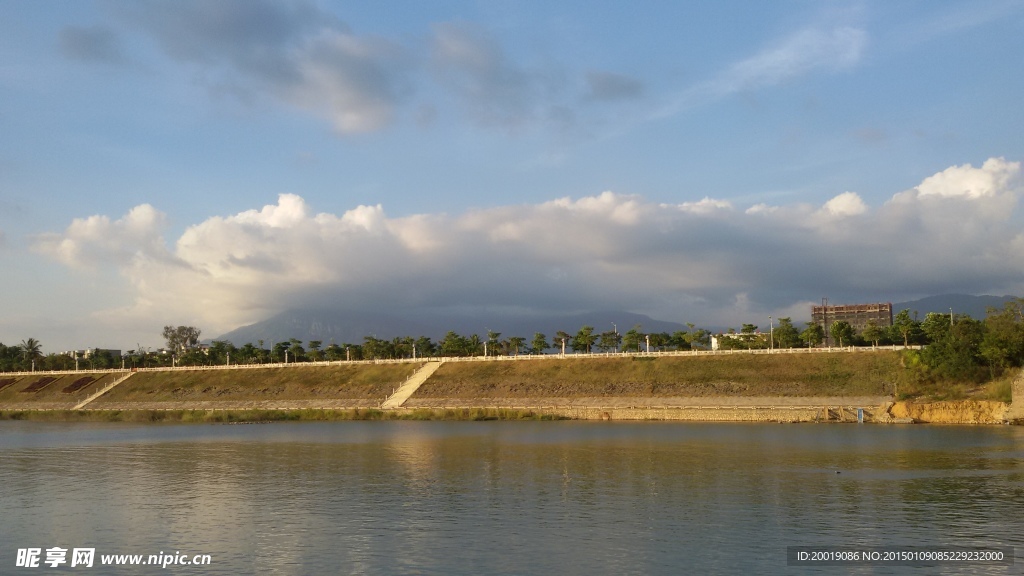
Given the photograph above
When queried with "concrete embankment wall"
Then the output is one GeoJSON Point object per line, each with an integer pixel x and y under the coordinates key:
{"type": "Point", "coordinates": [705, 409]}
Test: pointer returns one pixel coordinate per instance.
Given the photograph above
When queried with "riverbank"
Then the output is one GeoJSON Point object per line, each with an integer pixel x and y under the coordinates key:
{"type": "Point", "coordinates": [839, 387]}
{"type": "Point", "coordinates": [963, 412]}
{"type": "Point", "coordinates": [259, 416]}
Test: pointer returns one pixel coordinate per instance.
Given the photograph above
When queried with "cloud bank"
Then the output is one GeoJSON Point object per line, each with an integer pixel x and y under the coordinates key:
{"type": "Point", "coordinates": [707, 261]}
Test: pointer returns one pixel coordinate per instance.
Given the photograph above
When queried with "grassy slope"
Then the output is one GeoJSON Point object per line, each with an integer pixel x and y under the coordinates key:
{"type": "Point", "coordinates": [860, 374]}
{"type": "Point", "coordinates": [300, 383]}
{"type": "Point", "coordinates": [840, 374]}
{"type": "Point", "coordinates": [53, 395]}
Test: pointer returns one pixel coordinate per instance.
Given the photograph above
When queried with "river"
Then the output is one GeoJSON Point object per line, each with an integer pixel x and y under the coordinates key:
{"type": "Point", "coordinates": [504, 497]}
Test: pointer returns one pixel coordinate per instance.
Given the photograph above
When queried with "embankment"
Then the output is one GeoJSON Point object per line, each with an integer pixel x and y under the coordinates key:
{"type": "Point", "coordinates": [736, 387]}
{"type": "Point", "coordinates": [952, 412]}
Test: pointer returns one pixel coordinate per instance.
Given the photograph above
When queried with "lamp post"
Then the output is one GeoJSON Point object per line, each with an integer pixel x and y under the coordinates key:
{"type": "Point", "coordinates": [771, 334]}
{"type": "Point", "coordinates": [616, 330]}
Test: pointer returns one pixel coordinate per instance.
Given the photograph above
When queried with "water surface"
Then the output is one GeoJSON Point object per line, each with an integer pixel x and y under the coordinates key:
{"type": "Point", "coordinates": [506, 497]}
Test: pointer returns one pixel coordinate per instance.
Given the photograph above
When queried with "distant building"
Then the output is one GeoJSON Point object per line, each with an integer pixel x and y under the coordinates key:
{"type": "Point", "coordinates": [856, 315]}
{"type": "Point", "coordinates": [90, 352]}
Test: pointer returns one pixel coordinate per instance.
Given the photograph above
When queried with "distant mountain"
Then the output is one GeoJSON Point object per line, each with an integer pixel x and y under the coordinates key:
{"type": "Point", "coordinates": [975, 306]}
{"type": "Point", "coordinates": [351, 327]}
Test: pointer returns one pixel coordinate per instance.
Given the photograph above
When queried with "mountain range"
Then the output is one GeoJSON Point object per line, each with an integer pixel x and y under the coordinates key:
{"type": "Point", "coordinates": [339, 326]}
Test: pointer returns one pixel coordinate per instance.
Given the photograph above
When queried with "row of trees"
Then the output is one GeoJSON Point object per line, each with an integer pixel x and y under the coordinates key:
{"type": "Point", "coordinates": [956, 347]}
{"type": "Point", "coordinates": [28, 356]}
{"type": "Point", "coordinates": [586, 339]}
{"type": "Point", "coordinates": [785, 335]}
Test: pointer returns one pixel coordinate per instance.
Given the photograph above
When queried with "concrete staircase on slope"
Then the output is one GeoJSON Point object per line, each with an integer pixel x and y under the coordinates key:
{"type": "Point", "coordinates": [411, 385]}
{"type": "Point", "coordinates": [105, 389]}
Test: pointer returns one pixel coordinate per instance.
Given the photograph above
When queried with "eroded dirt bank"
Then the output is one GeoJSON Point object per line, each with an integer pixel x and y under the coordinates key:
{"type": "Point", "coordinates": [952, 412]}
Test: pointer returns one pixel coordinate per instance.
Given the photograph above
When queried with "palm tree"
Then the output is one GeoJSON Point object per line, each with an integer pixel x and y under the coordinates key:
{"type": "Point", "coordinates": [31, 350]}
{"type": "Point", "coordinates": [516, 342]}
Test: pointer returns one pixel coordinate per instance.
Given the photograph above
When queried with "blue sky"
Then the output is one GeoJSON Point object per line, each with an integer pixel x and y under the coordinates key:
{"type": "Point", "coordinates": [214, 162]}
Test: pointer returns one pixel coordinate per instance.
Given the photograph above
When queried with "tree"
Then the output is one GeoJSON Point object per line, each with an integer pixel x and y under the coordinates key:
{"type": "Point", "coordinates": [680, 340]}
{"type": "Point", "coordinates": [584, 339]}
{"type": "Point", "coordinates": [402, 346]}
{"type": "Point", "coordinates": [632, 339]}
{"type": "Point", "coordinates": [516, 342]}
{"type": "Point", "coordinates": [374, 348]}
{"type": "Point", "coordinates": [786, 335]}
{"type": "Point", "coordinates": [425, 347]}
{"type": "Point", "coordinates": [699, 336]}
{"type": "Point", "coordinates": [608, 341]}
{"type": "Point", "coordinates": [1003, 343]}
{"type": "Point", "coordinates": [296, 351]}
{"type": "Point", "coordinates": [562, 338]}
{"type": "Point", "coordinates": [219, 352]}
{"type": "Point", "coordinates": [454, 345]}
{"type": "Point", "coordinates": [936, 326]}
{"type": "Point", "coordinates": [334, 352]}
{"type": "Point", "coordinates": [474, 345]}
{"type": "Point", "coordinates": [279, 351]}
{"type": "Point", "coordinates": [181, 339]}
{"type": "Point", "coordinates": [492, 342]}
{"type": "Point", "coordinates": [539, 343]}
{"type": "Point", "coordinates": [31, 350]}
{"type": "Point", "coordinates": [872, 332]}
{"type": "Point", "coordinates": [314, 350]}
{"type": "Point", "coordinates": [956, 356]}
{"type": "Point", "coordinates": [904, 325]}
{"type": "Point", "coordinates": [248, 354]}
{"type": "Point", "coordinates": [841, 330]}
{"type": "Point", "coordinates": [659, 340]}
{"type": "Point", "coordinates": [814, 334]}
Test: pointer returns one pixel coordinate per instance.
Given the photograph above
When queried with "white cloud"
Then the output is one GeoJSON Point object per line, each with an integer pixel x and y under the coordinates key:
{"type": "Point", "coordinates": [845, 204]}
{"type": "Point", "coordinates": [995, 176]}
{"type": "Point", "coordinates": [97, 239]}
{"type": "Point", "coordinates": [608, 250]}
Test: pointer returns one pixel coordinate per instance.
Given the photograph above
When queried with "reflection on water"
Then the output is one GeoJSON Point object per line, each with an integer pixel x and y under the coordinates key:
{"type": "Point", "coordinates": [495, 497]}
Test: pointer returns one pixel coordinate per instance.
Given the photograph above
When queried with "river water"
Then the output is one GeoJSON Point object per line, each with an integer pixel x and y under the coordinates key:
{"type": "Point", "coordinates": [506, 497]}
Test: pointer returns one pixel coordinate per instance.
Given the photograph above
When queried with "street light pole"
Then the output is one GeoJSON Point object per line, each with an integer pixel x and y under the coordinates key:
{"type": "Point", "coordinates": [771, 334]}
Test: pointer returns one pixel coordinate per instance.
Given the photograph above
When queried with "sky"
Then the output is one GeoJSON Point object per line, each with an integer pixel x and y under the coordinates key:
{"type": "Point", "coordinates": [214, 162]}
